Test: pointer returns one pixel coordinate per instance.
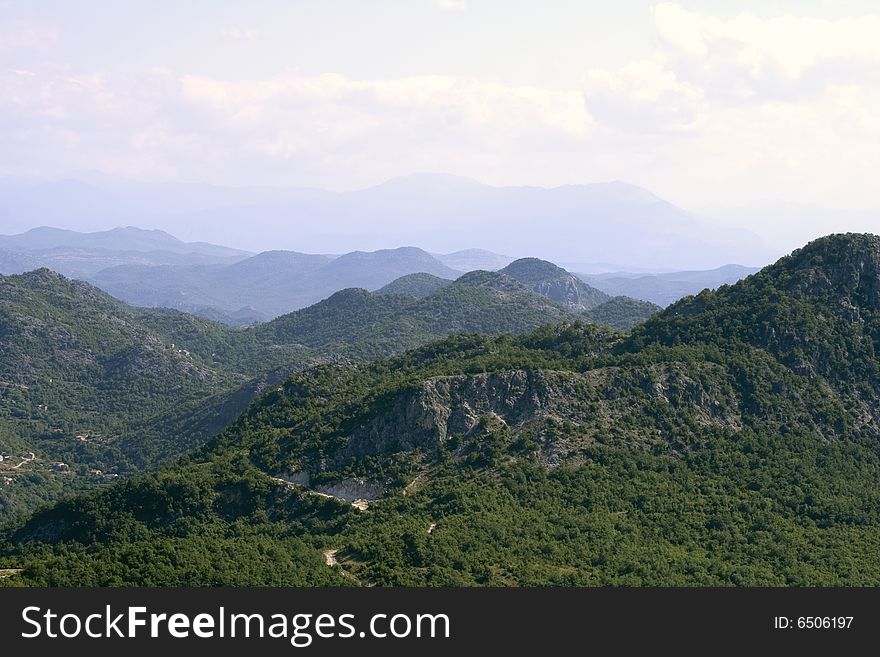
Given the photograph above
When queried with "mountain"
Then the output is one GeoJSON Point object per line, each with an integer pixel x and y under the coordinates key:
{"type": "Point", "coordinates": [266, 285]}
{"type": "Point", "coordinates": [666, 288]}
{"type": "Point", "coordinates": [375, 269]}
{"type": "Point", "coordinates": [414, 285]}
{"type": "Point", "coordinates": [732, 439]}
{"type": "Point", "coordinates": [117, 239]}
{"type": "Point", "coordinates": [599, 222]}
{"type": "Point", "coordinates": [84, 254]}
{"type": "Point", "coordinates": [473, 259]}
{"type": "Point", "coordinates": [555, 283]}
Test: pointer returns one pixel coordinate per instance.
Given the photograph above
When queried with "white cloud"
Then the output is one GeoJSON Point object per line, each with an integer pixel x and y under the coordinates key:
{"type": "Point", "coordinates": [240, 33]}
{"type": "Point", "coordinates": [297, 129]}
{"type": "Point", "coordinates": [452, 4]}
{"type": "Point", "coordinates": [746, 107]}
{"type": "Point", "coordinates": [23, 35]}
{"type": "Point", "coordinates": [748, 56]}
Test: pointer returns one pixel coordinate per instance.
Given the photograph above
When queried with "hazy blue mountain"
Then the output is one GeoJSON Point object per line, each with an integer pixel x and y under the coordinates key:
{"type": "Point", "coordinates": [374, 269]}
{"type": "Point", "coordinates": [265, 285]}
{"type": "Point", "coordinates": [555, 283]}
{"type": "Point", "coordinates": [473, 259]}
{"type": "Point", "coordinates": [601, 222]}
{"type": "Point", "coordinates": [15, 262]}
{"type": "Point", "coordinates": [80, 255]}
{"type": "Point", "coordinates": [128, 238]}
{"type": "Point", "coordinates": [664, 289]}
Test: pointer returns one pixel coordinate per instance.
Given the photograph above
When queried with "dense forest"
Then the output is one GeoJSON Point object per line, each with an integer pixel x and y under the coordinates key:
{"type": "Point", "coordinates": [731, 439]}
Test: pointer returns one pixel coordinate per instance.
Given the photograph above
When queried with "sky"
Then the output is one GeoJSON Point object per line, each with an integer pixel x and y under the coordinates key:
{"type": "Point", "coordinates": [707, 104]}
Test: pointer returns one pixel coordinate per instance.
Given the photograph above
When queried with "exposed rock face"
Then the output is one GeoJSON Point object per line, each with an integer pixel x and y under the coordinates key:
{"type": "Point", "coordinates": [443, 407]}
{"type": "Point", "coordinates": [352, 489]}
{"type": "Point", "coordinates": [300, 478]}
{"type": "Point", "coordinates": [555, 283]}
{"type": "Point", "coordinates": [564, 291]}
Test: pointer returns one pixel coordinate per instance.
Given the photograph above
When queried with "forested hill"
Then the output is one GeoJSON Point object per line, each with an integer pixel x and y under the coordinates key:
{"type": "Point", "coordinates": [732, 440]}
{"type": "Point", "coordinates": [95, 388]}
{"type": "Point", "coordinates": [91, 390]}
{"type": "Point", "coordinates": [363, 325]}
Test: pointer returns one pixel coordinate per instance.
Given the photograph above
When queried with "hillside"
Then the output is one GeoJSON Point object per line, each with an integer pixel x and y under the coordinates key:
{"type": "Point", "coordinates": [363, 325]}
{"type": "Point", "coordinates": [555, 283]}
{"type": "Point", "coordinates": [84, 382]}
{"type": "Point", "coordinates": [730, 440]}
{"type": "Point", "coordinates": [622, 313]}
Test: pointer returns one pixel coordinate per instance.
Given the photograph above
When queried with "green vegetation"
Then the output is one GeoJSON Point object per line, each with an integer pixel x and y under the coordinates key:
{"type": "Point", "coordinates": [622, 313]}
{"type": "Point", "coordinates": [729, 440]}
{"type": "Point", "coordinates": [414, 285]}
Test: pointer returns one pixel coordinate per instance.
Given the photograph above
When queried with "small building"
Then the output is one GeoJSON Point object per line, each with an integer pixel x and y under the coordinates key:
{"type": "Point", "coordinates": [59, 467]}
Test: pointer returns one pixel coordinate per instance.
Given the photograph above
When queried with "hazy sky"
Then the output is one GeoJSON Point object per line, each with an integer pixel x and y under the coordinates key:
{"type": "Point", "coordinates": [701, 102]}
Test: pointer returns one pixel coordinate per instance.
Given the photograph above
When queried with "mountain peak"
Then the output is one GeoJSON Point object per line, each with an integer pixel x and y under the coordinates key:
{"type": "Point", "coordinates": [528, 270]}
{"type": "Point", "coordinates": [555, 283]}
{"type": "Point", "coordinates": [840, 265]}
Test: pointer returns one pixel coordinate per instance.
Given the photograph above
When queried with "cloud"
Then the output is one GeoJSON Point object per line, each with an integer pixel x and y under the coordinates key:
{"type": "Point", "coordinates": [747, 57]}
{"type": "Point", "coordinates": [240, 33]}
{"type": "Point", "coordinates": [458, 5]}
{"type": "Point", "coordinates": [298, 129]}
{"type": "Point", "coordinates": [746, 107]}
{"type": "Point", "coordinates": [23, 35]}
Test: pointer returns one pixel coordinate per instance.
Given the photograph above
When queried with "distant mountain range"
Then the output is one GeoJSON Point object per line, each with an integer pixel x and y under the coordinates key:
{"type": "Point", "coordinates": [602, 222]}
{"type": "Point", "coordinates": [265, 285]}
{"type": "Point", "coordinates": [154, 269]}
{"type": "Point", "coordinates": [82, 255]}
{"type": "Point", "coordinates": [664, 289]}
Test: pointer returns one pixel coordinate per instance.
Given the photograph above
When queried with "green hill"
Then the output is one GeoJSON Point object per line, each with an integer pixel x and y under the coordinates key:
{"type": "Point", "coordinates": [730, 440]}
{"type": "Point", "coordinates": [414, 285]}
{"type": "Point", "coordinates": [84, 382]}
{"type": "Point", "coordinates": [622, 313]}
{"type": "Point", "coordinates": [555, 283]}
